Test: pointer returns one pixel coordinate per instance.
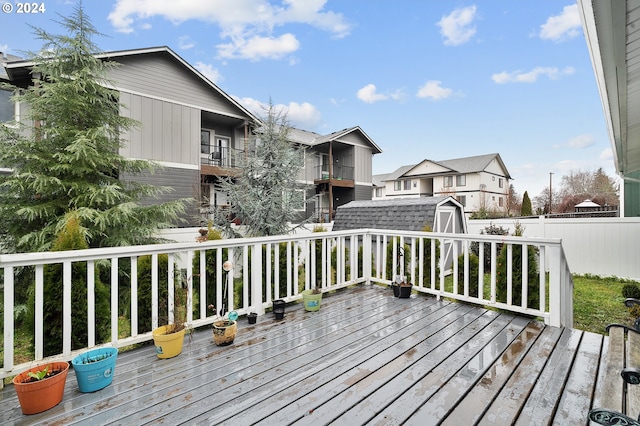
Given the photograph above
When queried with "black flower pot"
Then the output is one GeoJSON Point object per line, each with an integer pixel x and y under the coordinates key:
{"type": "Point", "coordinates": [404, 290]}
{"type": "Point", "coordinates": [278, 308]}
{"type": "Point", "coordinates": [252, 317]}
{"type": "Point", "coordinates": [396, 290]}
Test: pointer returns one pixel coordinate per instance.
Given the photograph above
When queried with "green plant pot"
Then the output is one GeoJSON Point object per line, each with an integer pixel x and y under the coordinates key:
{"type": "Point", "coordinates": [311, 301]}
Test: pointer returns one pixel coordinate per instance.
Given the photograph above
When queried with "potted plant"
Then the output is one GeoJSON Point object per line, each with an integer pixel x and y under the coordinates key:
{"type": "Point", "coordinates": [312, 298]}
{"type": "Point", "coordinates": [224, 329]}
{"type": "Point", "coordinates": [401, 288]}
{"type": "Point", "coordinates": [168, 339]}
{"type": "Point", "coordinates": [95, 368]}
{"type": "Point", "coordinates": [41, 387]}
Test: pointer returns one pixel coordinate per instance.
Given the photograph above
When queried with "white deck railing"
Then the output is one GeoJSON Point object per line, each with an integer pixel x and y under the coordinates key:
{"type": "Point", "coordinates": [331, 260]}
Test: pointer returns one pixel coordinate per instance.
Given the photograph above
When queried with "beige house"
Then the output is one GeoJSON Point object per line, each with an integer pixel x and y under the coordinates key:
{"type": "Point", "coordinates": [478, 183]}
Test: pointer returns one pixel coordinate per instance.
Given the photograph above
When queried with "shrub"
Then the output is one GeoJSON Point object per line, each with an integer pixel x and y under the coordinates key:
{"type": "Point", "coordinates": [72, 238]}
{"type": "Point", "coordinates": [533, 289]}
{"type": "Point", "coordinates": [426, 260]}
{"type": "Point", "coordinates": [631, 290]}
{"type": "Point", "coordinates": [474, 267]}
{"type": "Point", "coordinates": [475, 249]}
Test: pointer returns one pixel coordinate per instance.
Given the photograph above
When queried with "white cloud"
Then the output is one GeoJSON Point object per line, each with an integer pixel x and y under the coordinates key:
{"type": "Point", "coordinates": [300, 115]}
{"type": "Point", "coordinates": [209, 71]}
{"type": "Point", "coordinates": [185, 42]}
{"type": "Point", "coordinates": [369, 95]}
{"type": "Point", "coordinates": [581, 141]}
{"type": "Point", "coordinates": [433, 89]}
{"type": "Point", "coordinates": [257, 48]}
{"type": "Point", "coordinates": [606, 155]}
{"type": "Point", "coordinates": [456, 28]}
{"type": "Point", "coordinates": [249, 24]}
{"type": "Point", "coordinates": [552, 73]}
{"type": "Point", "coordinates": [564, 26]}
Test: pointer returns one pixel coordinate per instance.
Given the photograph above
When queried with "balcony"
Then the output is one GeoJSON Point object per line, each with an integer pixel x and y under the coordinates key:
{"type": "Point", "coordinates": [342, 176]}
{"type": "Point", "coordinates": [222, 161]}
{"type": "Point", "coordinates": [365, 357]}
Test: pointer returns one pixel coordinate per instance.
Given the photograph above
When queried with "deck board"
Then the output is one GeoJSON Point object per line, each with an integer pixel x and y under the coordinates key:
{"type": "Point", "coordinates": [364, 358]}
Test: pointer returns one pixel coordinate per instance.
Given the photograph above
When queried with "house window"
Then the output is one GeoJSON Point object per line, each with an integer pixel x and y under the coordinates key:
{"type": "Point", "coordinates": [500, 202]}
{"type": "Point", "coordinates": [461, 180]}
{"type": "Point", "coordinates": [448, 181]}
{"type": "Point", "coordinates": [501, 183]}
{"type": "Point", "coordinates": [407, 184]}
{"type": "Point", "coordinates": [462, 199]}
{"type": "Point", "coordinates": [205, 142]}
{"type": "Point", "coordinates": [7, 108]}
{"type": "Point", "coordinates": [397, 185]}
{"type": "Point", "coordinates": [378, 192]}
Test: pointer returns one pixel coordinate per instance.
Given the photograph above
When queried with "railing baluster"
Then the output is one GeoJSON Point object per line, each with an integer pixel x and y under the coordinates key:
{"type": "Point", "coordinates": [66, 307]}
{"type": "Point", "coordinates": [91, 304]}
{"type": "Point", "coordinates": [39, 314]}
{"type": "Point", "coordinates": [134, 296]}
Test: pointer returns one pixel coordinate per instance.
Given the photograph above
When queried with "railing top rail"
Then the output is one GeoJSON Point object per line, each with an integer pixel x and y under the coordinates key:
{"type": "Point", "coordinates": [40, 258]}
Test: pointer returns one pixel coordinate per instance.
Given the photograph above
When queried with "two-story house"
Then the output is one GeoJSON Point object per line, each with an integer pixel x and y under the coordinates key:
{"type": "Point", "coordinates": [478, 183]}
{"type": "Point", "coordinates": [197, 133]}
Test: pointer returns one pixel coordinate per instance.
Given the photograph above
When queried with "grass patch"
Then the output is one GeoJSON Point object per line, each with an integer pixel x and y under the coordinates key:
{"type": "Point", "coordinates": [598, 302]}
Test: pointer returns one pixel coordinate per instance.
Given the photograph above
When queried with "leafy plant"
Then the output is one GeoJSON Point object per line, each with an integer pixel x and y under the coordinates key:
{"type": "Point", "coordinates": [631, 290]}
{"type": "Point", "coordinates": [40, 374]}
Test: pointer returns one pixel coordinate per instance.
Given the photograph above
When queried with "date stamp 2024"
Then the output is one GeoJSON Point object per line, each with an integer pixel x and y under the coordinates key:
{"type": "Point", "coordinates": [24, 8]}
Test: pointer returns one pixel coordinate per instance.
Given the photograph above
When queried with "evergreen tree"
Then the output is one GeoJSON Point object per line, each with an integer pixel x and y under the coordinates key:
{"type": "Point", "coordinates": [527, 209]}
{"type": "Point", "coordinates": [65, 153]}
{"type": "Point", "coordinates": [266, 196]}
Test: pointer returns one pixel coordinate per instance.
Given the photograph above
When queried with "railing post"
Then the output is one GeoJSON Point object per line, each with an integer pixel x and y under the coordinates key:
{"type": "Point", "coordinates": [9, 337]}
{"type": "Point", "coordinates": [366, 257]}
{"type": "Point", "coordinates": [556, 301]}
{"type": "Point", "coordinates": [256, 279]}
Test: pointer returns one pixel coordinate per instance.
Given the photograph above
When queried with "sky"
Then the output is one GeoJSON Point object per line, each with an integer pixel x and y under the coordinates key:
{"type": "Point", "coordinates": [424, 79]}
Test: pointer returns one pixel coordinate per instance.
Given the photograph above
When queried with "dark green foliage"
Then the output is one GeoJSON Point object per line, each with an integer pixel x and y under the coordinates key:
{"type": "Point", "coordinates": [71, 238]}
{"type": "Point", "coordinates": [631, 290]}
{"type": "Point", "coordinates": [526, 209]}
{"type": "Point", "coordinates": [65, 153]}
{"type": "Point", "coordinates": [533, 283]}
{"type": "Point", "coordinates": [474, 265]}
{"type": "Point", "coordinates": [426, 260]}
{"type": "Point", "coordinates": [402, 255]}
{"type": "Point", "coordinates": [144, 290]}
{"type": "Point", "coordinates": [211, 270]}
{"type": "Point", "coordinates": [475, 249]}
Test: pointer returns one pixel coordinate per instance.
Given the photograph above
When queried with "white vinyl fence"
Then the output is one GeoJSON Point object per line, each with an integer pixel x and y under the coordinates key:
{"type": "Point", "coordinates": [598, 246]}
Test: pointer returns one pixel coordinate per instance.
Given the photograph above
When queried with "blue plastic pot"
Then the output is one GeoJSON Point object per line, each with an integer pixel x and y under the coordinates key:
{"type": "Point", "coordinates": [95, 369]}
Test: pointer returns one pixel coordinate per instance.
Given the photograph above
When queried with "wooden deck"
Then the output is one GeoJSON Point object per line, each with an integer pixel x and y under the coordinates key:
{"type": "Point", "coordinates": [364, 358]}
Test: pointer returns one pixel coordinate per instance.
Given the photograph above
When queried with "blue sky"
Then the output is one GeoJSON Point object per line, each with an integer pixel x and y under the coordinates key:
{"type": "Point", "coordinates": [426, 79]}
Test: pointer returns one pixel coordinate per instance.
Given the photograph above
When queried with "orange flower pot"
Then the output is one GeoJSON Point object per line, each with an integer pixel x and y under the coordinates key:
{"type": "Point", "coordinates": [38, 396]}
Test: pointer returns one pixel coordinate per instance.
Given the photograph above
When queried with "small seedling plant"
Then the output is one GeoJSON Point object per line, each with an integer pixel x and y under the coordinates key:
{"type": "Point", "coordinates": [39, 375]}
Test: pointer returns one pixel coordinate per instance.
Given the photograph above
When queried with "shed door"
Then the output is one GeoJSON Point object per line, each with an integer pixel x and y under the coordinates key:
{"type": "Point", "coordinates": [445, 221]}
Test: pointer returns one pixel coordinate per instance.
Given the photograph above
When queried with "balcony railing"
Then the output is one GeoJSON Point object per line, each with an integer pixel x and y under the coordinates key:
{"type": "Point", "coordinates": [272, 268]}
{"type": "Point", "coordinates": [222, 157]}
{"type": "Point", "coordinates": [339, 172]}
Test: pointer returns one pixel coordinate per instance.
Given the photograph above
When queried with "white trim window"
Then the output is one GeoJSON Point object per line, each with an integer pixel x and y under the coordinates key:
{"type": "Point", "coordinates": [461, 180]}
{"type": "Point", "coordinates": [9, 111]}
{"type": "Point", "coordinates": [448, 181]}
{"type": "Point", "coordinates": [407, 184]}
{"type": "Point", "coordinates": [397, 185]}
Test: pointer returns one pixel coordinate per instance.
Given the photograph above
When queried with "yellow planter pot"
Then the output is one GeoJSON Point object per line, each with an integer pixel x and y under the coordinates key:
{"type": "Point", "coordinates": [167, 345]}
{"type": "Point", "coordinates": [224, 332]}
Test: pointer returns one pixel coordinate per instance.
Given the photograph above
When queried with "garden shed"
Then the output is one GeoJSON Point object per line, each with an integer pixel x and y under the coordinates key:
{"type": "Point", "coordinates": [442, 214]}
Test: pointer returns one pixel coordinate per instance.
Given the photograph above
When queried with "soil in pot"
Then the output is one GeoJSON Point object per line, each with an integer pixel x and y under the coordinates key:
{"type": "Point", "coordinates": [36, 396]}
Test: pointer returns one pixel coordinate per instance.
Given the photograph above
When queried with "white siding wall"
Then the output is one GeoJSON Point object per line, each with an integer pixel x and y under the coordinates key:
{"type": "Point", "coordinates": [599, 246]}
